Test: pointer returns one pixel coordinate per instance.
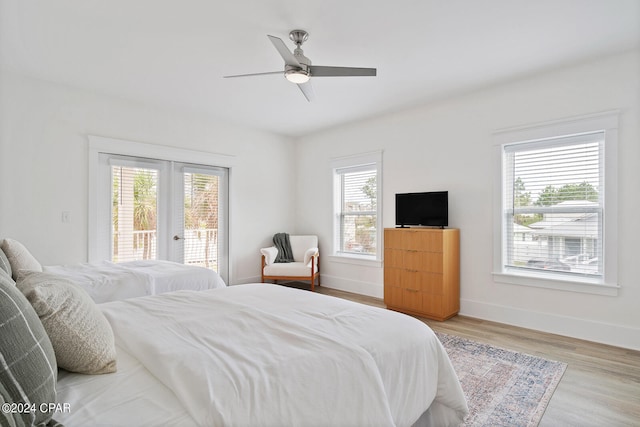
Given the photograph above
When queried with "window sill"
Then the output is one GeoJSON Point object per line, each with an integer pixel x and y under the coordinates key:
{"type": "Point", "coordinates": [557, 282]}
{"type": "Point", "coordinates": [356, 260]}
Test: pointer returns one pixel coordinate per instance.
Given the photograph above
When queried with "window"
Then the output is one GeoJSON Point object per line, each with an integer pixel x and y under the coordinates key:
{"type": "Point", "coordinates": [557, 206]}
{"type": "Point", "coordinates": [554, 192]}
{"type": "Point", "coordinates": [356, 208]}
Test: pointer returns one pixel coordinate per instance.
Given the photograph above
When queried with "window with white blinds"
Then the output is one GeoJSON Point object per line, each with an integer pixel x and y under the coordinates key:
{"type": "Point", "coordinates": [553, 201]}
{"type": "Point", "coordinates": [357, 207]}
{"type": "Point", "coordinates": [556, 204]}
{"type": "Point", "coordinates": [358, 212]}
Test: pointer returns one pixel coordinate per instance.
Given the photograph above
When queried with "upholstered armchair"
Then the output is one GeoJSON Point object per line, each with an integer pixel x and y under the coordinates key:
{"type": "Point", "coordinates": [305, 264]}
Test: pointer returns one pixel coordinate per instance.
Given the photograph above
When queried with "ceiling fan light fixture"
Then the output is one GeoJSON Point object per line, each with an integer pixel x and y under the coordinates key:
{"type": "Point", "coordinates": [296, 76]}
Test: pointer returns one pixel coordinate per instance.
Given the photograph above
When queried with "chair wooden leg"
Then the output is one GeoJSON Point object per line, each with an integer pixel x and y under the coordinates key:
{"type": "Point", "coordinates": [312, 284]}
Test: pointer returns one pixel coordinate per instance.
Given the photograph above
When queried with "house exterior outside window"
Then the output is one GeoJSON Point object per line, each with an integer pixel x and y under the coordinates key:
{"type": "Point", "coordinates": [557, 203]}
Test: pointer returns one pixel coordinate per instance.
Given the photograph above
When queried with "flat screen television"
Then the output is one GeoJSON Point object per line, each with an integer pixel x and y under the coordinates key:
{"type": "Point", "coordinates": [426, 209]}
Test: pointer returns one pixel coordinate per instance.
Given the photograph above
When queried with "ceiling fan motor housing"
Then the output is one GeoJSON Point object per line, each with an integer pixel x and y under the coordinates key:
{"type": "Point", "coordinates": [299, 37]}
{"type": "Point", "coordinates": [298, 74]}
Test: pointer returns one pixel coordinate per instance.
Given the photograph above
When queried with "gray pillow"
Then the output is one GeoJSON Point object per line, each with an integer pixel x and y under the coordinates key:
{"type": "Point", "coordinates": [28, 370]}
{"type": "Point", "coordinates": [19, 257]}
{"type": "Point", "coordinates": [81, 336]}
{"type": "Point", "coordinates": [4, 263]}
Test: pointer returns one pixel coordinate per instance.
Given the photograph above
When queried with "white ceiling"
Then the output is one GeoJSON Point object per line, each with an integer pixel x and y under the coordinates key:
{"type": "Point", "coordinates": [173, 53]}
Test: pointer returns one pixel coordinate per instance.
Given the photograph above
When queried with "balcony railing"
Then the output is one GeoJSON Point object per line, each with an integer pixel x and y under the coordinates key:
{"type": "Point", "coordinates": [200, 247]}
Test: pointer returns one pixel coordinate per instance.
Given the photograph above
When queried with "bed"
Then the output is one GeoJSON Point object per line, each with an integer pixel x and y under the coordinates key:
{"type": "Point", "coordinates": [243, 355]}
{"type": "Point", "coordinates": [264, 355]}
{"type": "Point", "coordinates": [107, 281]}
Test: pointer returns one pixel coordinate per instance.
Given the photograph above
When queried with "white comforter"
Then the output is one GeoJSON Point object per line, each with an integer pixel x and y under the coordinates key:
{"type": "Point", "coordinates": [265, 355]}
{"type": "Point", "coordinates": [108, 281]}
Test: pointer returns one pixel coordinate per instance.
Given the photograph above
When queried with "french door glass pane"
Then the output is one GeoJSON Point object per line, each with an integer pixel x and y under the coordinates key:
{"type": "Point", "coordinates": [134, 220]}
{"type": "Point", "coordinates": [201, 219]}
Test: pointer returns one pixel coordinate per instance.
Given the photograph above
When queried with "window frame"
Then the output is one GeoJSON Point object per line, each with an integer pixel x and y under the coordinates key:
{"type": "Point", "coordinates": [99, 182]}
{"type": "Point", "coordinates": [607, 284]}
{"type": "Point", "coordinates": [224, 229]}
{"type": "Point", "coordinates": [354, 163]}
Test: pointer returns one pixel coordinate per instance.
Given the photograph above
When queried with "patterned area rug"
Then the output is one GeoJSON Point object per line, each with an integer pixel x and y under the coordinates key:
{"type": "Point", "coordinates": [503, 387]}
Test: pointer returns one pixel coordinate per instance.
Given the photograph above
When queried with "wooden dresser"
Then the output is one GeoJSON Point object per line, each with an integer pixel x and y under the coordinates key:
{"type": "Point", "coordinates": [422, 271]}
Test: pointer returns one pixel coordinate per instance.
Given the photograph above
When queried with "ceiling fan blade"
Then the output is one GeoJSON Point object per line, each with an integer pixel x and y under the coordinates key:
{"type": "Point", "coordinates": [323, 71]}
{"type": "Point", "coordinates": [307, 91]}
{"type": "Point", "coordinates": [253, 74]}
{"type": "Point", "coordinates": [286, 54]}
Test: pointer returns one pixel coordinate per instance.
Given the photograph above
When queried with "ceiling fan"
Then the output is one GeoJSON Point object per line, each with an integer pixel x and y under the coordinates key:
{"type": "Point", "coordinates": [298, 68]}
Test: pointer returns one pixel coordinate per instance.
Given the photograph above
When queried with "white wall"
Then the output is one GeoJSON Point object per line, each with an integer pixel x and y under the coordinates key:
{"type": "Point", "coordinates": [448, 146]}
{"type": "Point", "coordinates": [44, 167]}
{"type": "Point", "coordinates": [443, 145]}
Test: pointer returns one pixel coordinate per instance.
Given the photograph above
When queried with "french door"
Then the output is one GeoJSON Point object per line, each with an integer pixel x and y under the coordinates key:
{"type": "Point", "coordinates": [200, 219]}
{"type": "Point", "coordinates": [165, 210]}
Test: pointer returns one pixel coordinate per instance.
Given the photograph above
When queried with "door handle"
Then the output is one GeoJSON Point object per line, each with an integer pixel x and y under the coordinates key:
{"type": "Point", "coordinates": [176, 237]}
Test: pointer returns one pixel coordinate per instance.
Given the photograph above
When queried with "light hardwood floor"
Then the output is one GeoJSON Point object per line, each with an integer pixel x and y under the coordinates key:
{"type": "Point", "coordinates": [600, 388]}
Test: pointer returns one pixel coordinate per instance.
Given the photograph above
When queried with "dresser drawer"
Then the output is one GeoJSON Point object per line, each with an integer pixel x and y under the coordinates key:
{"type": "Point", "coordinates": [414, 260]}
{"type": "Point", "coordinates": [432, 305]}
{"type": "Point", "coordinates": [412, 300]}
{"type": "Point", "coordinates": [414, 239]}
{"type": "Point", "coordinates": [423, 261]}
{"type": "Point", "coordinates": [423, 240]}
{"type": "Point", "coordinates": [394, 258]}
{"type": "Point", "coordinates": [431, 283]}
{"type": "Point", "coordinates": [393, 296]}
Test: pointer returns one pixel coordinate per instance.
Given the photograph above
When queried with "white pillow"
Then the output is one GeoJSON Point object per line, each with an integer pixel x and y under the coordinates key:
{"type": "Point", "coordinates": [309, 254]}
{"type": "Point", "coordinates": [4, 263]}
{"type": "Point", "coordinates": [270, 254]}
{"type": "Point", "coordinates": [19, 257]}
{"type": "Point", "coordinates": [81, 336]}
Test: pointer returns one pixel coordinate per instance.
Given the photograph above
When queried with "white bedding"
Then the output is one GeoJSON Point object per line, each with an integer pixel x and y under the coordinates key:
{"type": "Point", "coordinates": [265, 355]}
{"type": "Point", "coordinates": [129, 397]}
{"type": "Point", "coordinates": [108, 281]}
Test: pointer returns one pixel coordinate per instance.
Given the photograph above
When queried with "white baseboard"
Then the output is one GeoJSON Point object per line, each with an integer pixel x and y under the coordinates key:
{"type": "Point", "coordinates": [375, 290]}
{"type": "Point", "coordinates": [605, 333]}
